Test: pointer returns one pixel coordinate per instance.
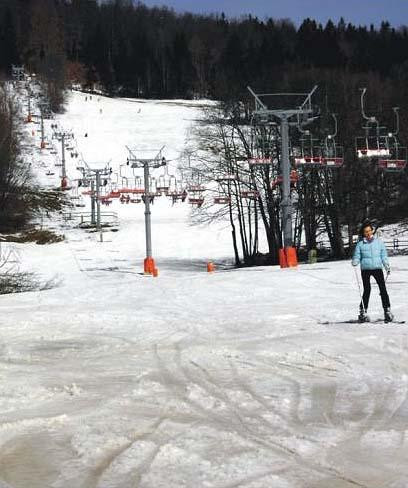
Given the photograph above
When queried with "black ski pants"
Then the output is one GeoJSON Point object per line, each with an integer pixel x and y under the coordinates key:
{"type": "Point", "coordinates": [379, 278]}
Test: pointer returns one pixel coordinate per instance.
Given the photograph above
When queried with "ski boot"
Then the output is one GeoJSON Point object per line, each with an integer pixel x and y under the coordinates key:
{"type": "Point", "coordinates": [388, 316]}
{"type": "Point", "coordinates": [363, 316]}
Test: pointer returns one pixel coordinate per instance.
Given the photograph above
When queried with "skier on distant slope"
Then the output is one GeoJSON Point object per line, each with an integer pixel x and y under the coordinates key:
{"type": "Point", "coordinates": [371, 254]}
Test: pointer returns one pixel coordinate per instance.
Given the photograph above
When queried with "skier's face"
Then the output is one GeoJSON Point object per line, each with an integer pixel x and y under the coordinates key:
{"type": "Point", "coordinates": [368, 232]}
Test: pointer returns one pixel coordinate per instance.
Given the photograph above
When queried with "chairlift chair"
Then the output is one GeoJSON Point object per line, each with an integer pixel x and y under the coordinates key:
{"type": "Point", "coordinates": [263, 143]}
{"type": "Point", "coordinates": [177, 191]}
{"type": "Point", "coordinates": [74, 193]}
{"type": "Point", "coordinates": [260, 161]}
{"type": "Point", "coordinates": [222, 198]}
{"type": "Point", "coordinates": [373, 144]}
{"type": "Point", "coordinates": [152, 184]}
{"type": "Point", "coordinates": [80, 203]}
{"type": "Point", "coordinates": [332, 153]}
{"type": "Point", "coordinates": [309, 154]}
{"type": "Point", "coordinates": [196, 201]}
{"type": "Point", "coordinates": [397, 160]}
{"type": "Point", "coordinates": [293, 178]}
{"type": "Point", "coordinates": [225, 178]}
{"type": "Point", "coordinates": [163, 184]}
{"type": "Point", "coordinates": [249, 194]}
{"type": "Point", "coordinates": [195, 185]}
{"type": "Point", "coordinates": [370, 147]}
{"type": "Point", "coordinates": [192, 188]}
{"type": "Point", "coordinates": [138, 187]}
{"type": "Point", "coordinates": [196, 189]}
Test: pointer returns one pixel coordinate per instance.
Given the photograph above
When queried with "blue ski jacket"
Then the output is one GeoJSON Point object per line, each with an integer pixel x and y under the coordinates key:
{"type": "Point", "coordinates": [370, 255]}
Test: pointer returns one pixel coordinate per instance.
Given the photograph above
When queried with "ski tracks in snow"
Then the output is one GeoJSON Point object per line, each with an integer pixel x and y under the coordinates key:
{"type": "Point", "coordinates": [215, 414]}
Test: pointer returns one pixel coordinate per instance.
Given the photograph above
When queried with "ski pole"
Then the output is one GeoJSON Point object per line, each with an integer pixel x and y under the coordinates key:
{"type": "Point", "coordinates": [359, 287]}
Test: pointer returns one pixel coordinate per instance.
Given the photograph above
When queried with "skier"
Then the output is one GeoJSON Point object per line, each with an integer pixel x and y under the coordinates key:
{"type": "Point", "coordinates": [371, 254]}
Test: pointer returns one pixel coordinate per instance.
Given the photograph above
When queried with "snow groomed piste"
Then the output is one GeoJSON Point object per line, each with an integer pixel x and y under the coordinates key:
{"type": "Point", "coordinates": [194, 379]}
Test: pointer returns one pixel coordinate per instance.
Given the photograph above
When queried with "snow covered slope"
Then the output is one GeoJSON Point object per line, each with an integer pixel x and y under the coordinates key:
{"type": "Point", "coordinates": [231, 379]}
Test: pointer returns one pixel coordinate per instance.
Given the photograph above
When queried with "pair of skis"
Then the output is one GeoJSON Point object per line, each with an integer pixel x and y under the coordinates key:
{"type": "Point", "coordinates": [356, 321]}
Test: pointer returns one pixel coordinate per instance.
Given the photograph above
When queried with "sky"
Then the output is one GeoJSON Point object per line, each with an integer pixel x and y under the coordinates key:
{"type": "Point", "coordinates": [359, 12]}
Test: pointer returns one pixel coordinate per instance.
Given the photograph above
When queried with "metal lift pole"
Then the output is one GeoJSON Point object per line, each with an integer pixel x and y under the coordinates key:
{"type": "Point", "coordinates": [286, 197]}
{"type": "Point", "coordinates": [63, 170]}
{"type": "Point", "coordinates": [148, 223]}
{"type": "Point", "coordinates": [98, 201]}
{"type": "Point", "coordinates": [93, 219]}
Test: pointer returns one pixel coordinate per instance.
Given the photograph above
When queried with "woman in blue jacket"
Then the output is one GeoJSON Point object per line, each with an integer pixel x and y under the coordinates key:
{"type": "Point", "coordinates": [371, 255]}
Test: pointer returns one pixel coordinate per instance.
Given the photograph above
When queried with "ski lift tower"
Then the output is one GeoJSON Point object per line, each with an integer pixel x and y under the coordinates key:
{"type": "Point", "coordinates": [95, 176]}
{"type": "Point", "coordinates": [147, 159]}
{"type": "Point", "coordinates": [285, 107]}
{"type": "Point", "coordinates": [44, 110]}
{"type": "Point", "coordinates": [62, 136]}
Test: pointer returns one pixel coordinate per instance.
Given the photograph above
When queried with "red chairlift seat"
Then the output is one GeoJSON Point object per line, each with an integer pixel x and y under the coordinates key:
{"type": "Point", "coordinates": [135, 191]}
{"type": "Point", "coordinates": [372, 153]}
{"type": "Point", "coordinates": [222, 200]}
{"type": "Point", "coordinates": [225, 178]}
{"type": "Point", "coordinates": [195, 188]}
{"type": "Point", "coordinates": [333, 162]}
{"type": "Point", "coordinates": [309, 161]}
{"type": "Point", "coordinates": [392, 164]}
{"type": "Point", "coordinates": [293, 178]}
{"type": "Point", "coordinates": [259, 161]}
{"type": "Point", "coordinates": [196, 201]}
{"type": "Point", "coordinates": [250, 194]}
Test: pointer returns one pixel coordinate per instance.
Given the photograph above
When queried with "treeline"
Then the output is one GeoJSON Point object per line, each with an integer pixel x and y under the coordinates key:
{"type": "Point", "coordinates": [133, 50]}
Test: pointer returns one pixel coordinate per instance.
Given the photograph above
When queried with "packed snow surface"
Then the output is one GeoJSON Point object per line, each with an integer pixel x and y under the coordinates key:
{"type": "Point", "coordinates": [192, 379]}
